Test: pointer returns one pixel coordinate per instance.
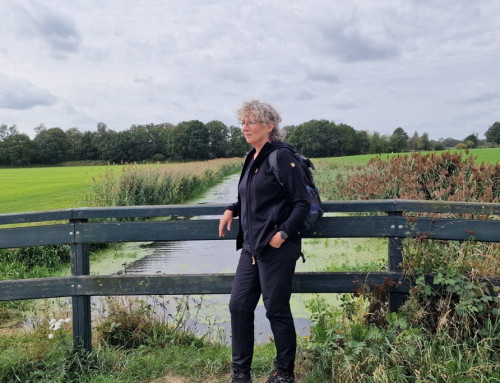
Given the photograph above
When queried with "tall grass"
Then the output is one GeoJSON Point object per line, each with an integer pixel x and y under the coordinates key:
{"type": "Point", "coordinates": [158, 185]}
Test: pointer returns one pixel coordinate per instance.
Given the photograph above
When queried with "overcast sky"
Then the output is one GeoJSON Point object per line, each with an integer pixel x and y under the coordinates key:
{"type": "Point", "coordinates": [424, 65]}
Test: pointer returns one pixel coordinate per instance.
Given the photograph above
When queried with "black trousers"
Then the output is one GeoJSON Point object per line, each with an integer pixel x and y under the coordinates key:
{"type": "Point", "coordinates": [271, 276]}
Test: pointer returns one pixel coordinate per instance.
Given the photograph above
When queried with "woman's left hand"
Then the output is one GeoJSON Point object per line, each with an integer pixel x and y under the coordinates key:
{"type": "Point", "coordinates": [276, 241]}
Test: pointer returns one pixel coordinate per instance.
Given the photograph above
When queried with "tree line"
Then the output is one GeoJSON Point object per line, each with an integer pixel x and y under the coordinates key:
{"type": "Point", "coordinates": [195, 140]}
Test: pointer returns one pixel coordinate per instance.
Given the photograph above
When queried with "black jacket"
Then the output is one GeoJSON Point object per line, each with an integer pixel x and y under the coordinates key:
{"type": "Point", "coordinates": [271, 208]}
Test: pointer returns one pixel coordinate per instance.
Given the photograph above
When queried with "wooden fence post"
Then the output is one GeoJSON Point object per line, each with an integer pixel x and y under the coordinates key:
{"type": "Point", "coordinates": [395, 259]}
{"type": "Point", "coordinates": [80, 265]}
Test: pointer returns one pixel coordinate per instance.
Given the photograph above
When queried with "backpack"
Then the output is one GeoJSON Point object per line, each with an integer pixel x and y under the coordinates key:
{"type": "Point", "coordinates": [316, 211]}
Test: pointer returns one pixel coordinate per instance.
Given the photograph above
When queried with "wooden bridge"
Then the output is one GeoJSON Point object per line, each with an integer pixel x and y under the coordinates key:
{"type": "Point", "coordinates": [391, 219]}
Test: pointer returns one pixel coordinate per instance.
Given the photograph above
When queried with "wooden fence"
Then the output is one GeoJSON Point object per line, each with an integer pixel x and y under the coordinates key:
{"type": "Point", "coordinates": [391, 219]}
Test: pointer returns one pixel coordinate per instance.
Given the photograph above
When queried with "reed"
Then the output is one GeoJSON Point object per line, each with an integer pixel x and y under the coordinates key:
{"type": "Point", "coordinates": [169, 184]}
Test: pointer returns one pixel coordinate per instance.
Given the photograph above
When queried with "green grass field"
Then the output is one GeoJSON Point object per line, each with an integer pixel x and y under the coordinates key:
{"type": "Point", "coordinates": [52, 188]}
{"type": "Point", "coordinates": [38, 189]}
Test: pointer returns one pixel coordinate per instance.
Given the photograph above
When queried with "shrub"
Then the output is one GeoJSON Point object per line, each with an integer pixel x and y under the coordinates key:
{"type": "Point", "coordinates": [131, 322]}
{"type": "Point", "coordinates": [449, 327]}
{"type": "Point", "coordinates": [447, 176]}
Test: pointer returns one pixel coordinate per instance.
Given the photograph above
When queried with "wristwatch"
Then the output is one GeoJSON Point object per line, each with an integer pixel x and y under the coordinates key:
{"type": "Point", "coordinates": [283, 234]}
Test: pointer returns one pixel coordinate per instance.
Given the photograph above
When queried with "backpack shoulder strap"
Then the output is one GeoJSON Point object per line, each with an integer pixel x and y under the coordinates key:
{"type": "Point", "coordinates": [273, 162]}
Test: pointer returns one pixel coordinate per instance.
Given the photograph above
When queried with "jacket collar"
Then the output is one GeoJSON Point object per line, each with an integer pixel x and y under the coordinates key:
{"type": "Point", "coordinates": [266, 149]}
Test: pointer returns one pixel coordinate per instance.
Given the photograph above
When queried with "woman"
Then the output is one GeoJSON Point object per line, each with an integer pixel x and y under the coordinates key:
{"type": "Point", "coordinates": [270, 218]}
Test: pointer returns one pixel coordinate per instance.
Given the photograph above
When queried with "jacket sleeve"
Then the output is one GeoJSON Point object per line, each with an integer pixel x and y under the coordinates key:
{"type": "Point", "coordinates": [292, 176]}
{"type": "Point", "coordinates": [234, 207]}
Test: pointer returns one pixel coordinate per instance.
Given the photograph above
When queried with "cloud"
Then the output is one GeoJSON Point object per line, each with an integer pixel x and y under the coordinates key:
{"type": "Point", "coordinates": [351, 46]}
{"type": "Point", "coordinates": [374, 66]}
{"type": "Point", "coordinates": [21, 94]}
{"type": "Point", "coordinates": [55, 30]}
{"type": "Point", "coordinates": [477, 93]}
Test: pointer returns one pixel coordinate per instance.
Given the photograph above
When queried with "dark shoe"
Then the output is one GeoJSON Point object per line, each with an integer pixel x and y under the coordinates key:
{"type": "Point", "coordinates": [240, 377]}
{"type": "Point", "coordinates": [278, 376]}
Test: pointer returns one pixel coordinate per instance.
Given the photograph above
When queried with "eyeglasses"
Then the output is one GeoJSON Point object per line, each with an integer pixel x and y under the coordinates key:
{"type": "Point", "coordinates": [248, 123]}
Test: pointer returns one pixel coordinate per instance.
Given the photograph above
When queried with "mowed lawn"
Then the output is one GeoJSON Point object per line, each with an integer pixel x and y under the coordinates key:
{"type": "Point", "coordinates": [39, 189]}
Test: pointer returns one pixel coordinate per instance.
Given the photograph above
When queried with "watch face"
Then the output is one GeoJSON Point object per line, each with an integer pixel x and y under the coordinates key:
{"type": "Point", "coordinates": [283, 234]}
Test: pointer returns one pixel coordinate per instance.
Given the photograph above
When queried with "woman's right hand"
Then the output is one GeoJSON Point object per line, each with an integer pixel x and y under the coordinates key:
{"type": "Point", "coordinates": [225, 221]}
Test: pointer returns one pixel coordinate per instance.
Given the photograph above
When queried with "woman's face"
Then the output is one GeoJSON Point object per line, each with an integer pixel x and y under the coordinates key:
{"type": "Point", "coordinates": [256, 133]}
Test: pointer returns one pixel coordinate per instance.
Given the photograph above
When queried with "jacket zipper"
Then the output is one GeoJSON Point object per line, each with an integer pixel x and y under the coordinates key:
{"type": "Point", "coordinates": [250, 234]}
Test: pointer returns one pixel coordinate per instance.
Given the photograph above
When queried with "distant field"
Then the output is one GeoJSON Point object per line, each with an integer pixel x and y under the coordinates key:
{"type": "Point", "coordinates": [491, 155]}
{"type": "Point", "coordinates": [38, 189]}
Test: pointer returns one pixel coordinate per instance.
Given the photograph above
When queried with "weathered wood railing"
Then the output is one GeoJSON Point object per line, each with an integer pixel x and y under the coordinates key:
{"type": "Point", "coordinates": [83, 226]}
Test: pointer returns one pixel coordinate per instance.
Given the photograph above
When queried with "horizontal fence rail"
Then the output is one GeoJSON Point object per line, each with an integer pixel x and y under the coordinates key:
{"type": "Point", "coordinates": [391, 219]}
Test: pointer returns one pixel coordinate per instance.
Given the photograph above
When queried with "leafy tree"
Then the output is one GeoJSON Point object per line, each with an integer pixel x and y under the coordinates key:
{"type": "Point", "coordinates": [450, 142]}
{"type": "Point", "coordinates": [438, 145]}
{"type": "Point", "coordinates": [17, 150]}
{"type": "Point", "coordinates": [218, 136]}
{"type": "Point", "coordinates": [288, 129]}
{"type": "Point", "coordinates": [379, 144]}
{"type": "Point", "coordinates": [88, 148]}
{"type": "Point", "coordinates": [316, 138]}
{"type": "Point", "coordinates": [471, 141]}
{"type": "Point", "coordinates": [413, 142]}
{"type": "Point", "coordinates": [52, 145]}
{"type": "Point", "coordinates": [75, 144]}
{"type": "Point", "coordinates": [100, 140]}
{"type": "Point", "coordinates": [424, 143]}
{"type": "Point", "coordinates": [6, 131]}
{"type": "Point", "coordinates": [362, 142]}
{"type": "Point", "coordinates": [159, 138]}
{"type": "Point", "coordinates": [107, 143]}
{"type": "Point", "coordinates": [346, 138]}
{"type": "Point", "coordinates": [493, 133]}
{"type": "Point", "coordinates": [238, 145]}
{"type": "Point", "coordinates": [139, 143]}
{"type": "Point", "coordinates": [398, 142]}
{"type": "Point", "coordinates": [190, 141]}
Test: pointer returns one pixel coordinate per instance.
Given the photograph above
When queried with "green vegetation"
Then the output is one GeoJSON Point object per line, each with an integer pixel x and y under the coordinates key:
{"type": "Point", "coordinates": [52, 188]}
{"type": "Point", "coordinates": [447, 176]}
{"type": "Point", "coordinates": [489, 155]}
{"type": "Point", "coordinates": [447, 334]}
{"type": "Point", "coordinates": [38, 189]}
{"type": "Point", "coordinates": [196, 141]}
{"type": "Point", "coordinates": [159, 185]}
{"type": "Point", "coordinates": [124, 185]}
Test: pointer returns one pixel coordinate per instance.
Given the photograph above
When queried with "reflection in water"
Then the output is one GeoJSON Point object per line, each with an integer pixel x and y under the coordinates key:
{"type": "Point", "coordinates": [193, 257]}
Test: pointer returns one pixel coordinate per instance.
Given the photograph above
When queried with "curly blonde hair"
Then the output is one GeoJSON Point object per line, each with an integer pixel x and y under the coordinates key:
{"type": "Point", "coordinates": [264, 113]}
